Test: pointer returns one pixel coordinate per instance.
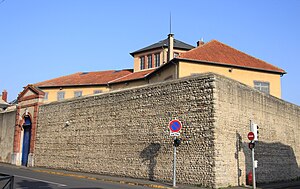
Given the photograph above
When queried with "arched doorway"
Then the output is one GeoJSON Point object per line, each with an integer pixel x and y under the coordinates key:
{"type": "Point", "coordinates": [26, 140]}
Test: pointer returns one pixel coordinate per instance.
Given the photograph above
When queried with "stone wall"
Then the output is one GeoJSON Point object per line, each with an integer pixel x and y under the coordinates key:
{"type": "Point", "coordinates": [126, 132]}
{"type": "Point", "coordinates": [7, 128]}
{"type": "Point", "coordinates": [278, 149]}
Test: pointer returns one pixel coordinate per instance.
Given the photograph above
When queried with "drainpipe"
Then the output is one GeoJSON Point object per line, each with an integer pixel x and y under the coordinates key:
{"type": "Point", "coordinates": [176, 64]}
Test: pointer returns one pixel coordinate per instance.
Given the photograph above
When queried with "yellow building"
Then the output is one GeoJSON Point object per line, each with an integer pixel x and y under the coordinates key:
{"type": "Point", "coordinates": [165, 60]}
{"type": "Point", "coordinates": [222, 59]}
{"type": "Point", "coordinates": [79, 84]}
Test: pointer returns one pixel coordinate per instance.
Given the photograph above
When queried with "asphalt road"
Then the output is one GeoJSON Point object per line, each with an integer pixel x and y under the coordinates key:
{"type": "Point", "coordinates": [30, 179]}
{"type": "Point", "coordinates": [38, 178]}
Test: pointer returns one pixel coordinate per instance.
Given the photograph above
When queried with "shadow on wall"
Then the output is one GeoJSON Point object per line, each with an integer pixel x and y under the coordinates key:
{"type": "Point", "coordinates": [276, 162]}
{"type": "Point", "coordinates": [149, 154]}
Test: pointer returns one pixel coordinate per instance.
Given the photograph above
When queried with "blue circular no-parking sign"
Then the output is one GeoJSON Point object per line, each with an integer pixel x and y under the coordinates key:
{"type": "Point", "coordinates": [175, 126]}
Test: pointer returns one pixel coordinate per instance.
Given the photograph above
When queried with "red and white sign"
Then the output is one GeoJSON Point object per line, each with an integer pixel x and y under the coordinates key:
{"type": "Point", "coordinates": [175, 126]}
{"type": "Point", "coordinates": [251, 136]}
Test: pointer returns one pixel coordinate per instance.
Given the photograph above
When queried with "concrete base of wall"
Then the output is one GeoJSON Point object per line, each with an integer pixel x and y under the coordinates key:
{"type": "Point", "coordinates": [16, 158]}
{"type": "Point", "coordinates": [30, 162]}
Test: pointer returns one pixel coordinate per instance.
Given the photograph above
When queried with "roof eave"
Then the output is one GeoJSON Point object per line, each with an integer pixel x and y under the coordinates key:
{"type": "Point", "coordinates": [231, 65]}
{"type": "Point", "coordinates": [142, 51]}
{"type": "Point", "coordinates": [125, 81]}
{"type": "Point", "coordinates": [77, 85]}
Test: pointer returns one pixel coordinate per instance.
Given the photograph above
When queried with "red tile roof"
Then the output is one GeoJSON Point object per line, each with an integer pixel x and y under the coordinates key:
{"type": "Point", "coordinates": [217, 52]}
{"type": "Point", "coordinates": [133, 76]}
{"type": "Point", "coordinates": [85, 78]}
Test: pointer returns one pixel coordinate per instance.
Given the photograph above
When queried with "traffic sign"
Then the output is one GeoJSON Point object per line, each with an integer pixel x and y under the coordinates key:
{"type": "Point", "coordinates": [175, 126]}
{"type": "Point", "coordinates": [251, 136]}
{"type": "Point", "coordinates": [174, 134]}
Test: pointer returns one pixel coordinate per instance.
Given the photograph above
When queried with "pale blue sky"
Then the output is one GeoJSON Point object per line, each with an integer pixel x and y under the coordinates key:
{"type": "Point", "coordinates": [40, 40]}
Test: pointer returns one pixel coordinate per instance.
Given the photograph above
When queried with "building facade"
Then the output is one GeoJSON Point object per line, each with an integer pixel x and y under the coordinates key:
{"type": "Point", "coordinates": [165, 60]}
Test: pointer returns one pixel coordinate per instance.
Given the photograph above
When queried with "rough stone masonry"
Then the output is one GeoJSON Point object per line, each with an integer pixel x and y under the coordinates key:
{"type": "Point", "coordinates": [126, 133]}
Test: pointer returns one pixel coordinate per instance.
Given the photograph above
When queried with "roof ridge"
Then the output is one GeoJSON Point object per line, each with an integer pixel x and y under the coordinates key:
{"type": "Point", "coordinates": [200, 46]}
{"type": "Point", "coordinates": [119, 78]}
{"type": "Point", "coordinates": [249, 55]}
{"type": "Point", "coordinates": [144, 73]}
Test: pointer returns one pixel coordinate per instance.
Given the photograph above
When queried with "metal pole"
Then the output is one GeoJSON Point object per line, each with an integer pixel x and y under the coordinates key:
{"type": "Point", "coordinates": [174, 166]}
{"type": "Point", "coordinates": [253, 162]}
{"type": "Point", "coordinates": [253, 170]}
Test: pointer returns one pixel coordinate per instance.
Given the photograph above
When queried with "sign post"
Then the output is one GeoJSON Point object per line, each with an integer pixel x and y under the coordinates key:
{"type": "Point", "coordinates": [253, 169]}
{"type": "Point", "coordinates": [175, 126]}
{"type": "Point", "coordinates": [174, 166]}
{"type": "Point", "coordinates": [251, 137]}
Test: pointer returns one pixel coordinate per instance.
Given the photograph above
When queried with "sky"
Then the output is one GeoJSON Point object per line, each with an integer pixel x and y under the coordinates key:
{"type": "Point", "coordinates": [41, 40]}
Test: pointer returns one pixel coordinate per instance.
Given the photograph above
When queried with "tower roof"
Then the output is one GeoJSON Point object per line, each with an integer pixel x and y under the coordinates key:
{"type": "Point", "coordinates": [164, 44]}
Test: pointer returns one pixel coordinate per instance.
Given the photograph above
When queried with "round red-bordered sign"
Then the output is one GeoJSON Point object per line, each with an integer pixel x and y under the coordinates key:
{"type": "Point", "coordinates": [251, 136]}
{"type": "Point", "coordinates": [175, 126]}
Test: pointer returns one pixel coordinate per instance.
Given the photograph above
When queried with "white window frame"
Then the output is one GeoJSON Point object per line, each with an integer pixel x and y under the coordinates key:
{"type": "Point", "coordinates": [46, 96]}
{"type": "Point", "coordinates": [157, 59]}
{"type": "Point", "coordinates": [60, 95]}
{"type": "Point", "coordinates": [149, 60]}
{"type": "Point", "coordinates": [77, 94]}
{"type": "Point", "coordinates": [262, 86]}
{"type": "Point", "coordinates": [142, 63]}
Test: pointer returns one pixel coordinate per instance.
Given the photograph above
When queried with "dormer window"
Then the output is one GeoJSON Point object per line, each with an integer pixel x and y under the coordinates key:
{"type": "Point", "coordinates": [150, 65]}
{"type": "Point", "coordinates": [142, 63]}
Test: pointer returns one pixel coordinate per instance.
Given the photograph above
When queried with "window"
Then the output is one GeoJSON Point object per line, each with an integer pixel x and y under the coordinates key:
{"type": "Point", "coordinates": [46, 96]}
{"type": "Point", "coordinates": [176, 54]}
{"type": "Point", "coordinates": [150, 61]}
{"type": "Point", "coordinates": [60, 95]}
{"type": "Point", "coordinates": [97, 91]}
{"type": "Point", "coordinates": [142, 63]}
{"type": "Point", "coordinates": [262, 86]}
{"type": "Point", "coordinates": [77, 94]}
{"type": "Point", "coordinates": [157, 60]}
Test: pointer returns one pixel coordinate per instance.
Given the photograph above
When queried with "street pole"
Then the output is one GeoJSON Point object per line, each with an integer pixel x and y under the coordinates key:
{"type": "Point", "coordinates": [253, 170]}
{"type": "Point", "coordinates": [253, 162]}
{"type": "Point", "coordinates": [174, 166]}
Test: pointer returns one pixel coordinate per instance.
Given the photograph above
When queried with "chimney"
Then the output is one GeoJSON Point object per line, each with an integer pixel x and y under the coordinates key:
{"type": "Point", "coordinates": [170, 46]}
{"type": "Point", "coordinates": [200, 43]}
{"type": "Point", "coordinates": [4, 95]}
